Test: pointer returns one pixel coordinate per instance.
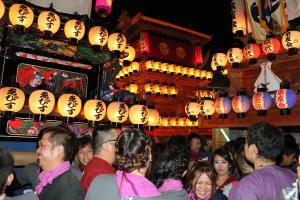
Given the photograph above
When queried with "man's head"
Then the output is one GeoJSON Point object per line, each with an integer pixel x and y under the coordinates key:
{"type": "Point", "coordinates": [263, 140]}
{"type": "Point", "coordinates": [6, 169]}
{"type": "Point", "coordinates": [56, 146]}
{"type": "Point", "coordinates": [195, 142]}
{"type": "Point", "coordinates": [85, 150]}
{"type": "Point", "coordinates": [104, 139]}
{"type": "Point", "coordinates": [290, 151]}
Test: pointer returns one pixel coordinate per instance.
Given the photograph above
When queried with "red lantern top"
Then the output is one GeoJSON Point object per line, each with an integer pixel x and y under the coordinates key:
{"type": "Point", "coordinates": [271, 45]}
{"type": "Point", "coordinates": [251, 51]}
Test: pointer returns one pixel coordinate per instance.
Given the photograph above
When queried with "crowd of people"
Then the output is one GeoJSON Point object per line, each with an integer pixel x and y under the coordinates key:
{"type": "Point", "coordinates": [126, 164]}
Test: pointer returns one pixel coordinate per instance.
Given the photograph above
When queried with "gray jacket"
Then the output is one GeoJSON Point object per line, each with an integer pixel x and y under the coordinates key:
{"type": "Point", "coordinates": [27, 196]}
{"type": "Point", "coordinates": [104, 187]}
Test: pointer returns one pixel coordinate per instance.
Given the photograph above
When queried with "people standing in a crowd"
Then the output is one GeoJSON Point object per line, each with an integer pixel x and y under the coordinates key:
{"type": "Point", "coordinates": [104, 139]}
{"type": "Point", "coordinates": [84, 153]}
{"type": "Point", "coordinates": [195, 145]}
{"type": "Point", "coordinates": [290, 153]}
{"type": "Point", "coordinates": [201, 182]}
{"type": "Point", "coordinates": [264, 143]}
{"type": "Point", "coordinates": [134, 157]}
{"type": "Point", "coordinates": [167, 172]}
{"type": "Point", "coordinates": [225, 168]}
{"type": "Point", "coordinates": [56, 149]}
{"type": "Point", "coordinates": [6, 177]}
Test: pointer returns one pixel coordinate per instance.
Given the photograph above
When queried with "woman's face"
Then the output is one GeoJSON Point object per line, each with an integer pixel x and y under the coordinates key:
{"type": "Point", "coordinates": [203, 186]}
{"type": "Point", "coordinates": [221, 165]}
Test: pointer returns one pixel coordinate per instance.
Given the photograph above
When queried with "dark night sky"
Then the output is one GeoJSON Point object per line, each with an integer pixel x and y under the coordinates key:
{"type": "Point", "coordinates": [212, 17]}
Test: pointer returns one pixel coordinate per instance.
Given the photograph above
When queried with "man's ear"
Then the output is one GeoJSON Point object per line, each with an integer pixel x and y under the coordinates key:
{"type": "Point", "coordinates": [254, 149]}
{"type": "Point", "coordinates": [10, 179]}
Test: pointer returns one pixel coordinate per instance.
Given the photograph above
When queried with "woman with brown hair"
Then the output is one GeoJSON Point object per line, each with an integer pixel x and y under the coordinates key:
{"type": "Point", "coordinates": [200, 182]}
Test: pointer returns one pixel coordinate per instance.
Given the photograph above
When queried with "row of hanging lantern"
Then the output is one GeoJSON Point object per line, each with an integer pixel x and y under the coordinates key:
{"type": "Point", "coordinates": [172, 69]}
{"type": "Point", "coordinates": [126, 71]}
{"type": "Point", "coordinates": [177, 122]}
{"type": "Point", "coordinates": [42, 103]}
{"type": "Point", "coordinates": [270, 47]}
{"type": "Point", "coordinates": [285, 99]}
{"type": "Point", "coordinates": [155, 88]}
{"type": "Point", "coordinates": [21, 17]}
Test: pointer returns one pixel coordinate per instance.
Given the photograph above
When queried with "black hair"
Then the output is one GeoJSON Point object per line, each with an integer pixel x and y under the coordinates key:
{"type": "Point", "coordinates": [133, 150]}
{"type": "Point", "coordinates": [64, 137]}
{"type": "Point", "coordinates": [83, 141]}
{"type": "Point", "coordinates": [169, 165]}
{"type": "Point", "coordinates": [226, 155]}
{"type": "Point", "coordinates": [100, 135]}
{"type": "Point", "coordinates": [267, 138]}
{"type": "Point", "coordinates": [6, 167]}
{"type": "Point", "coordinates": [179, 143]}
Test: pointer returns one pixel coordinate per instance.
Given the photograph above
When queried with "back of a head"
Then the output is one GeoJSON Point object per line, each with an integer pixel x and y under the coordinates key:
{"type": "Point", "coordinates": [6, 167]}
{"type": "Point", "coordinates": [133, 150]}
{"type": "Point", "coordinates": [64, 137]}
{"type": "Point", "coordinates": [267, 138]}
{"type": "Point", "coordinates": [179, 143]}
{"type": "Point", "coordinates": [169, 165]}
{"type": "Point", "coordinates": [290, 145]}
{"type": "Point", "coordinates": [101, 134]}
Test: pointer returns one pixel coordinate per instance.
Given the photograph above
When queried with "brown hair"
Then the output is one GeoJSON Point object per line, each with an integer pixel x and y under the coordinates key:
{"type": "Point", "coordinates": [195, 170]}
{"type": "Point", "coordinates": [133, 150]}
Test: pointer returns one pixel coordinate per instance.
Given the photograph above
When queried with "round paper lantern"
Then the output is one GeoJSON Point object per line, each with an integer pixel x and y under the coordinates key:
{"type": "Point", "coordinates": [2, 9]}
{"type": "Point", "coordinates": [116, 42]}
{"type": "Point", "coordinates": [178, 69]}
{"type": "Point", "coordinates": [69, 105]}
{"type": "Point", "coordinates": [252, 52]}
{"type": "Point", "coordinates": [173, 91]}
{"type": "Point", "coordinates": [188, 122]}
{"type": "Point", "coordinates": [157, 66]}
{"type": "Point", "coordinates": [209, 75]}
{"type": "Point", "coordinates": [171, 69]}
{"type": "Point", "coordinates": [129, 53]}
{"type": "Point", "coordinates": [261, 102]}
{"type": "Point", "coordinates": [98, 36]}
{"type": "Point", "coordinates": [11, 99]}
{"type": "Point", "coordinates": [173, 122]}
{"type": "Point", "coordinates": [219, 60]}
{"type": "Point", "coordinates": [191, 72]}
{"type": "Point", "coordinates": [235, 56]}
{"type": "Point", "coordinates": [153, 117]}
{"type": "Point", "coordinates": [74, 30]}
{"type": "Point", "coordinates": [197, 73]}
{"type": "Point", "coordinates": [192, 109]}
{"type": "Point", "coordinates": [285, 99]}
{"type": "Point", "coordinates": [240, 105]}
{"type": "Point", "coordinates": [181, 122]}
{"type": "Point", "coordinates": [94, 110]}
{"type": "Point", "coordinates": [271, 47]}
{"type": "Point", "coordinates": [135, 66]}
{"type": "Point", "coordinates": [164, 68]}
{"type": "Point", "coordinates": [291, 41]}
{"type": "Point", "coordinates": [156, 88]}
{"type": "Point", "coordinates": [184, 71]}
{"type": "Point", "coordinates": [225, 72]}
{"type": "Point", "coordinates": [164, 89]}
{"type": "Point", "coordinates": [164, 122]}
{"type": "Point", "coordinates": [148, 87]}
{"type": "Point", "coordinates": [20, 15]}
{"type": "Point", "coordinates": [117, 112]}
{"type": "Point", "coordinates": [104, 7]}
{"type": "Point", "coordinates": [48, 22]}
{"type": "Point", "coordinates": [149, 65]}
{"type": "Point", "coordinates": [203, 74]}
{"type": "Point", "coordinates": [223, 106]}
{"type": "Point", "coordinates": [207, 108]}
{"type": "Point", "coordinates": [41, 102]}
{"type": "Point", "coordinates": [138, 114]}
{"type": "Point", "coordinates": [133, 88]}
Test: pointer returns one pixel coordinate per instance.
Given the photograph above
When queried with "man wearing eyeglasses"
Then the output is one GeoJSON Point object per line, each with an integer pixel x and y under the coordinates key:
{"type": "Point", "coordinates": [104, 139]}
